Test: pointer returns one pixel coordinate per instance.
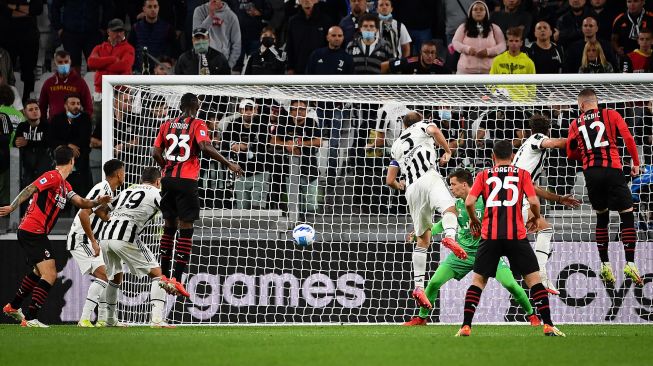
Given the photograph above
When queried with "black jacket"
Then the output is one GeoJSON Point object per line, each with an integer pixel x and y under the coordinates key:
{"type": "Point", "coordinates": [269, 62]}
{"type": "Point", "coordinates": [189, 63]}
{"type": "Point", "coordinates": [304, 36]}
{"type": "Point", "coordinates": [77, 132]}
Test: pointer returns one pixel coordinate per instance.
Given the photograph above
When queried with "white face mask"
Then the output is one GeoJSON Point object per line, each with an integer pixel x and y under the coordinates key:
{"type": "Point", "coordinates": [445, 114]}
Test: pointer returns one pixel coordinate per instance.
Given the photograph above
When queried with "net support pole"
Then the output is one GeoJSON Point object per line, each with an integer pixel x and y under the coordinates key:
{"type": "Point", "coordinates": [107, 121]}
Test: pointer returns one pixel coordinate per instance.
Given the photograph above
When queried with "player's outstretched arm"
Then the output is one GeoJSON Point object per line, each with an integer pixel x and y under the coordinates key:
{"type": "Point", "coordinates": [81, 202]}
{"type": "Point", "coordinates": [554, 143]}
{"type": "Point", "coordinates": [207, 148]}
{"type": "Point", "coordinates": [442, 142]}
{"type": "Point", "coordinates": [23, 196]}
{"type": "Point", "coordinates": [391, 177]}
{"type": "Point", "coordinates": [567, 200]}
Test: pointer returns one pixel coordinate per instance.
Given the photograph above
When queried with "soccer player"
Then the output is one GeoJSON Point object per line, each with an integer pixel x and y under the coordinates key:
{"type": "Point", "coordinates": [503, 233]}
{"type": "Point", "coordinates": [460, 182]}
{"type": "Point", "coordinates": [414, 155]}
{"type": "Point", "coordinates": [531, 157]}
{"type": "Point", "coordinates": [50, 193]}
{"type": "Point", "coordinates": [130, 213]}
{"type": "Point", "coordinates": [84, 248]}
{"type": "Point", "coordinates": [182, 140]}
{"type": "Point", "coordinates": [593, 138]}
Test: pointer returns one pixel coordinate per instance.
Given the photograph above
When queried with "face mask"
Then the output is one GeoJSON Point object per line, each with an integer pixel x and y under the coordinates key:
{"type": "Point", "coordinates": [71, 115]}
{"type": "Point", "coordinates": [445, 114]}
{"type": "Point", "coordinates": [385, 17]}
{"type": "Point", "coordinates": [368, 35]}
{"type": "Point", "coordinates": [201, 46]}
{"type": "Point", "coordinates": [267, 42]}
{"type": "Point", "coordinates": [63, 69]}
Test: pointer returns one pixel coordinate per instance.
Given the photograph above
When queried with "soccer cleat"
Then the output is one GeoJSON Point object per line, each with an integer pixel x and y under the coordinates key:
{"type": "Point", "coordinates": [34, 323]}
{"type": "Point", "coordinates": [168, 286]}
{"type": "Point", "coordinates": [465, 331]}
{"type": "Point", "coordinates": [85, 323]}
{"type": "Point", "coordinates": [606, 275]}
{"type": "Point", "coordinates": [551, 331]}
{"type": "Point", "coordinates": [100, 324]}
{"type": "Point", "coordinates": [180, 288]}
{"type": "Point", "coordinates": [535, 320]}
{"type": "Point", "coordinates": [416, 321]}
{"type": "Point", "coordinates": [16, 314]}
{"type": "Point", "coordinates": [632, 272]}
{"type": "Point", "coordinates": [548, 284]}
{"type": "Point", "coordinates": [457, 250]}
{"type": "Point", "coordinates": [420, 296]}
{"type": "Point", "coordinates": [161, 324]}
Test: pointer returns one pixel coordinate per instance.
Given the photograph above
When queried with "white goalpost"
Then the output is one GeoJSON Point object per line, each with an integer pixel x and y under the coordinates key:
{"type": "Point", "coordinates": [244, 267]}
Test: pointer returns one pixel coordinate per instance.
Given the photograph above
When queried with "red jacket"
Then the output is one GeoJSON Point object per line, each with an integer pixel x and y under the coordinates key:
{"type": "Point", "coordinates": [109, 60]}
{"type": "Point", "coordinates": [54, 91]}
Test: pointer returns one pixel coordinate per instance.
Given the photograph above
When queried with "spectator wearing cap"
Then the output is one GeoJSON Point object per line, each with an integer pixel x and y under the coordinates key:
{"type": "Point", "coordinates": [65, 80]}
{"type": "Point", "coordinates": [307, 32]}
{"type": "Point", "coordinates": [267, 59]}
{"type": "Point", "coordinates": [332, 59]}
{"type": "Point", "coordinates": [202, 59]}
{"type": "Point", "coordinates": [151, 35]}
{"type": "Point", "coordinates": [223, 26]}
{"type": "Point", "coordinates": [246, 138]}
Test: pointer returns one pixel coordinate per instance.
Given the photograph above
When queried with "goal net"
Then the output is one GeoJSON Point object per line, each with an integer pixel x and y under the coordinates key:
{"type": "Point", "coordinates": [315, 150]}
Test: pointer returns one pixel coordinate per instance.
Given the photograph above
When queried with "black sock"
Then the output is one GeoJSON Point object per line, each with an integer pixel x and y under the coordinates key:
{"type": "Point", "coordinates": [39, 295]}
{"type": "Point", "coordinates": [182, 251]}
{"type": "Point", "coordinates": [167, 242]}
{"type": "Point", "coordinates": [541, 300]}
{"type": "Point", "coordinates": [628, 234]}
{"type": "Point", "coordinates": [472, 298]}
{"type": "Point", "coordinates": [602, 236]}
{"type": "Point", "coordinates": [26, 286]}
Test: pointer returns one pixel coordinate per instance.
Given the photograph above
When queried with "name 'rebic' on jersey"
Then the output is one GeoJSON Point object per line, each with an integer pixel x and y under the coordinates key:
{"type": "Point", "coordinates": [415, 152]}
{"type": "Point", "coordinates": [131, 211]}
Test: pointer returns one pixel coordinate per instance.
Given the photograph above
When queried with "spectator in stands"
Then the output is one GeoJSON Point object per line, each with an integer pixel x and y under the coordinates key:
{"type": "Point", "coordinates": [18, 103]}
{"type": "Point", "coordinates": [223, 26]}
{"type": "Point", "coordinates": [604, 16]}
{"type": "Point", "coordinates": [368, 50]}
{"type": "Point", "coordinates": [14, 109]}
{"type": "Point", "coordinates": [307, 32]}
{"type": "Point", "coordinates": [267, 59]}
{"type": "Point", "coordinates": [478, 41]}
{"type": "Point", "coordinates": [640, 59]}
{"type": "Point", "coordinates": [455, 14]}
{"type": "Point", "coordinates": [575, 51]}
{"type": "Point", "coordinates": [6, 67]}
{"type": "Point", "coordinates": [594, 61]}
{"type": "Point", "coordinates": [332, 59]}
{"type": "Point", "coordinates": [514, 61]}
{"type": "Point", "coordinates": [153, 35]}
{"type": "Point", "coordinates": [32, 144]}
{"type": "Point", "coordinates": [6, 130]}
{"type": "Point", "coordinates": [546, 55]}
{"type": "Point", "coordinates": [300, 137]}
{"type": "Point", "coordinates": [512, 15]}
{"type": "Point", "coordinates": [79, 24]}
{"type": "Point", "coordinates": [65, 80]}
{"type": "Point", "coordinates": [251, 16]}
{"type": "Point", "coordinates": [73, 128]}
{"type": "Point", "coordinates": [426, 63]}
{"type": "Point", "coordinates": [393, 31]}
{"type": "Point", "coordinates": [419, 17]}
{"type": "Point", "coordinates": [626, 27]}
{"type": "Point", "coordinates": [350, 23]}
{"type": "Point", "coordinates": [570, 23]}
{"type": "Point", "coordinates": [19, 35]}
{"type": "Point", "coordinates": [202, 59]}
{"type": "Point", "coordinates": [165, 66]}
{"type": "Point", "coordinates": [246, 138]}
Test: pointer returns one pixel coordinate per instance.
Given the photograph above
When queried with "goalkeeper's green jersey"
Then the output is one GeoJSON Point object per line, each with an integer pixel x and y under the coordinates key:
{"type": "Point", "coordinates": [464, 237]}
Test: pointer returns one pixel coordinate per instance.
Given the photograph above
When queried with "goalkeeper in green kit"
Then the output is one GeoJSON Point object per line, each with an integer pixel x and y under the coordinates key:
{"type": "Point", "coordinates": [460, 182]}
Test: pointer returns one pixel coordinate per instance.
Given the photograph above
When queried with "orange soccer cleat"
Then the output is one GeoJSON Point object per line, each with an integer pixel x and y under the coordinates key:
{"type": "Point", "coordinates": [416, 321]}
{"type": "Point", "coordinates": [420, 296]}
{"type": "Point", "coordinates": [535, 320]}
{"type": "Point", "coordinates": [457, 250]}
{"type": "Point", "coordinates": [179, 287]}
{"type": "Point", "coordinates": [465, 331]}
{"type": "Point", "coordinates": [16, 314]}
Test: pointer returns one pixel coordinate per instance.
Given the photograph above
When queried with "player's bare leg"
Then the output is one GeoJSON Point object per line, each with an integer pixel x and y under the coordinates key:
{"type": "Point", "coordinates": [96, 292]}
{"type": "Point", "coordinates": [540, 298]}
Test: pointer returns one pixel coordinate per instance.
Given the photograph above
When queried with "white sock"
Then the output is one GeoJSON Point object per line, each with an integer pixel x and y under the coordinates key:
{"type": "Point", "coordinates": [543, 247]}
{"type": "Point", "coordinates": [112, 302]}
{"type": "Point", "coordinates": [158, 301]}
{"type": "Point", "coordinates": [419, 266]}
{"type": "Point", "coordinates": [92, 297]}
{"type": "Point", "coordinates": [102, 306]}
{"type": "Point", "coordinates": [449, 224]}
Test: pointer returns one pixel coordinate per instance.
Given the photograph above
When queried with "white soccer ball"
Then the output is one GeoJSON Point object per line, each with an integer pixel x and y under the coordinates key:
{"type": "Point", "coordinates": [303, 235]}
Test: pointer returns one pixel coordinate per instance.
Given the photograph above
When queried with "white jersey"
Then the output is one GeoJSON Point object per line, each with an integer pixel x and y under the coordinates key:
{"type": "Point", "coordinates": [131, 211]}
{"type": "Point", "coordinates": [531, 155]}
{"type": "Point", "coordinates": [100, 189]}
{"type": "Point", "coordinates": [414, 151]}
{"type": "Point", "coordinates": [389, 120]}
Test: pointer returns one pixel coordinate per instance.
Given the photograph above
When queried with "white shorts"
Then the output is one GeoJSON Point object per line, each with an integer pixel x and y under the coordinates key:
{"type": "Point", "coordinates": [136, 256]}
{"type": "Point", "coordinates": [427, 194]}
{"type": "Point", "coordinates": [83, 254]}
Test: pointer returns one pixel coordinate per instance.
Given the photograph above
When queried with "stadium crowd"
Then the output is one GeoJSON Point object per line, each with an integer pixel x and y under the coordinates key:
{"type": "Point", "coordinates": [198, 37]}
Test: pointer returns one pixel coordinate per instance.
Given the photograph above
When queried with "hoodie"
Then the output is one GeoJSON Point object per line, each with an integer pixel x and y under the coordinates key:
{"type": "Point", "coordinates": [55, 89]}
{"type": "Point", "coordinates": [224, 30]}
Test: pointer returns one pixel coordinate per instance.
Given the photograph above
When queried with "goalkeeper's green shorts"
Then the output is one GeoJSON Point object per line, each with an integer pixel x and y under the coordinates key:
{"type": "Point", "coordinates": [461, 267]}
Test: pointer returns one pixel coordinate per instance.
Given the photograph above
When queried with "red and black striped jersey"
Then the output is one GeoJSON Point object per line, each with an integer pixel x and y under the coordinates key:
{"type": "Point", "coordinates": [593, 136]}
{"type": "Point", "coordinates": [43, 211]}
{"type": "Point", "coordinates": [503, 189]}
{"type": "Point", "coordinates": [180, 139]}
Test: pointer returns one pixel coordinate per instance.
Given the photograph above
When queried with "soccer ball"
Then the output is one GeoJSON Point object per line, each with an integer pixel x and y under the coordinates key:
{"type": "Point", "coordinates": [303, 235]}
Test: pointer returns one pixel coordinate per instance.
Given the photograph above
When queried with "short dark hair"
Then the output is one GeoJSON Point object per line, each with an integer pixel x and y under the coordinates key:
{"type": "Point", "coordinates": [71, 95]}
{"type": "Point", "coordinates": [61, 54]}
{"type": "Point", "coordinates": [515, 32]}
{"type": "Point", "coordinates": [369, 17]}
{"type": "Point", "coordinates": [502, 149]}
{"type": "Point", "coordinates": [189, 101]}
{"type": "Point", "coordinates": [112, 166]}
{"type": "Point", "coordinates": [150, 175]}
{"type": "Point", "coordinates": [6, 95]}
{"type": "Point", "coordinates": [539, 124]}
{"type": "Point", "coordinates": [429, 43]}
{"type": "Point", "coordinates": [587, 93]}
{"type": "Point", "coordinates": [295, 101]}
{"type": "Point", "coordinates": [268, 29]}
{"type": "Point", "coordinates": [167, 59]}
{"type": "Point", "coordinates": [31, 101]}
{"type": "Point", "coordinates": [646, 30]}
{"type": "Point", "coordinates": [463, 175]}
{"type": "Point", "coordinates": [63, 155]}
{"type": "Point", "coordinates": [411, 118]}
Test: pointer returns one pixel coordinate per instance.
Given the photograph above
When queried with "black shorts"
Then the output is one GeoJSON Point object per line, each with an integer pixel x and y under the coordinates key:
{"type": "Point", "coordinates": [607, 188]}
{"type": "Point", "coordinates": [180, 199]}
{"type": "Point", "coordinates": [519, 252]}
{"type": "Point", "coordinates": [36, 246]}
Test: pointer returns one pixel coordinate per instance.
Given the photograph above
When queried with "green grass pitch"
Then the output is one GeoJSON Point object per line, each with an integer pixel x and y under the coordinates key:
{"type": "Point", "coordinates": [326, 345]}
